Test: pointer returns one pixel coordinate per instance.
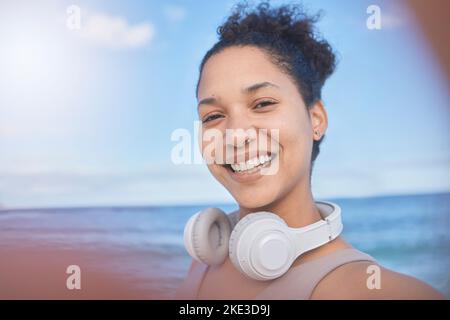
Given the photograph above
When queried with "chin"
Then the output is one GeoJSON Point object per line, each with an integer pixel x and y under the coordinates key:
{"type": "Point", "coordinates": [252, 204]}
{"type": "Point", "coordinates": [254, 199]}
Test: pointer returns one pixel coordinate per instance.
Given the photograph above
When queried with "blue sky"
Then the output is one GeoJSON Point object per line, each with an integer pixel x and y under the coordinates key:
{"type": "Point", "coordinates": [86, 115]}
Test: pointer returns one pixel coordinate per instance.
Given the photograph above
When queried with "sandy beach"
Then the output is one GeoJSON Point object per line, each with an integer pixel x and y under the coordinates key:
{"type": "Point", "coordinates": [28, 271]}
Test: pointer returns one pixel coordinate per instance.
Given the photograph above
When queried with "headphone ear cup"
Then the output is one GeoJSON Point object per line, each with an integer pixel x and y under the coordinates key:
{"type": "Point", "coordinates": [261, 247]}
{"type": "Point", "coordinates": [206, 236]}
{"type": "Point", "coordinates": [234, 239]}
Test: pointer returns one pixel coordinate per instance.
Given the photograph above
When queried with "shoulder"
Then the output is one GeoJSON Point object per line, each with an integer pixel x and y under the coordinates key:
{"type": "Point", "coordinates": [195, 268]}
{"type": "Point", "coordinates": [368, 280]}
{"type": "Point", "coordinates": [194, 273]}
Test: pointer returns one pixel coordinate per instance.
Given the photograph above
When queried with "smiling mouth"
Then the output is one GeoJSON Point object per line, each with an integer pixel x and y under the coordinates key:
{"type": "Point", "coordinates": [252, 165]}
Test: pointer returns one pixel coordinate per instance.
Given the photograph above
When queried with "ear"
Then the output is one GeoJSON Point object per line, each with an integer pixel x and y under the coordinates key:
{"type": "Point", "coordinates": [319, 120]}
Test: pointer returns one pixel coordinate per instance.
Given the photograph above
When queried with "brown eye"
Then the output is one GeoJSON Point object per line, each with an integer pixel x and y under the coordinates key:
{"type": "Point", "coordinates": [211, 117]}
{"type": "Point", "coordinates": [264, 104]}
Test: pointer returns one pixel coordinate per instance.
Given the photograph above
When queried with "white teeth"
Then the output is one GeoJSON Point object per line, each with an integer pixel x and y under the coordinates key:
{"type": "Point", "coordinates": [262, 159]}
{"type": "Point", "coordinates": [250, 164]}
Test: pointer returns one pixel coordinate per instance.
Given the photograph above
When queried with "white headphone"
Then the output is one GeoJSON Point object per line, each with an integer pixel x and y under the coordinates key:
{"type": "Point", "coordinates": [261, 245]}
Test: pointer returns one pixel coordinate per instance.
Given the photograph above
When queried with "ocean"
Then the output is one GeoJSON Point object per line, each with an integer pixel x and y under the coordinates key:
{"type": "Point", "coordinates": [409, 234]}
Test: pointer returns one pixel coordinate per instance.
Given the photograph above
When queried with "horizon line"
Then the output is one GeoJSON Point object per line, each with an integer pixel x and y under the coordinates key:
{"type": "Point", "coordinates": [4, 209]}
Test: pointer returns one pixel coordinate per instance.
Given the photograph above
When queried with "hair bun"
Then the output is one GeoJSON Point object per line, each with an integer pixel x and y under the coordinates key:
{"type": "Point", "coordinates": [289, 23]}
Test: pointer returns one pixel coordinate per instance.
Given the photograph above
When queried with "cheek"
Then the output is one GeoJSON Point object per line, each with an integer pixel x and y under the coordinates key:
{"type": "Point", "coordinates": [211, 143]}
{"type": "Point", "coordinates": [296, 144]}
{"type": "Point", "coordinates": [219, 173]}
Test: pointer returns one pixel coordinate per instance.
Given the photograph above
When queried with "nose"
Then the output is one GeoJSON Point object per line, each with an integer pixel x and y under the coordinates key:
{"type": "Point", "coordinates": [239, 132]}
{"type": "Point", "coordinates": [239, 135]}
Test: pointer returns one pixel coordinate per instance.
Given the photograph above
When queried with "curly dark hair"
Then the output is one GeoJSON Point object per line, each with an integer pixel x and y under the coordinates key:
{"type": "Point", "coordinates": [287, 35]}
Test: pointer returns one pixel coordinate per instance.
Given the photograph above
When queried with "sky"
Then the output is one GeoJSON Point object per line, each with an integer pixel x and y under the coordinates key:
{"type": "Point", "coordinates": [88, 105]}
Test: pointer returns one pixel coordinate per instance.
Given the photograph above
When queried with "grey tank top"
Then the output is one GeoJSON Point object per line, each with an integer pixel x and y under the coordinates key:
{"type": "Point", "coordinates": [296, 284]}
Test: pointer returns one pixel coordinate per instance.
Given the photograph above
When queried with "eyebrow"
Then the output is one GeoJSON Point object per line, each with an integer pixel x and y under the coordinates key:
{"type": "Point", "coordinates": [258, 86]}
{"type": "Point", "coordinates": [251, 89]}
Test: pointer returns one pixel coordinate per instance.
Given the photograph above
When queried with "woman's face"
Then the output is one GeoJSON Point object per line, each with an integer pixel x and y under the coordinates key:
{"type": "Point", "coordinates": [227, 108]}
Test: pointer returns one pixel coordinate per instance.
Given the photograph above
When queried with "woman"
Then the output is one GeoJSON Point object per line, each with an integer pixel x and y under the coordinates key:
{"type": "Point", "coordinates": [266, 72]}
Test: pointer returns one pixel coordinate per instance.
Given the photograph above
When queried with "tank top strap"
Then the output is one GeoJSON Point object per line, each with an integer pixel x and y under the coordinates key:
{"type": "Point", "coordinates": [300, 281]}
{"type": "Point", "coordinates": [189, 288]}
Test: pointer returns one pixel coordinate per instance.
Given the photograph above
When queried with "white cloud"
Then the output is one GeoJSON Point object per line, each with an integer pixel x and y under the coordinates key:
{"type": "Point", "coordinates": [158, 185]}
{"type": "Point", "coordinates": [115, 32]}
{"type": "Point", "coordinates": [382, 178]}
{"type": "Point", "coordinates": [169, 184]}
{"type": "Point", "coordinates": [175, 13]}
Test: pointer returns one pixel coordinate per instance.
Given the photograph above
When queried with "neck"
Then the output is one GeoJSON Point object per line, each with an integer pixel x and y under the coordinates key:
{"type": "Point", "coordinates": [297, 208]}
